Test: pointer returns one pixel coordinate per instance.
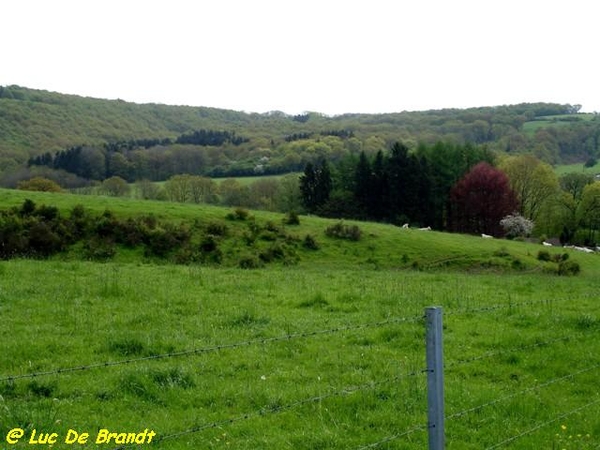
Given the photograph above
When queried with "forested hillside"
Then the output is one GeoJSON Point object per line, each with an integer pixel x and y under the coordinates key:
{"type": "Point", "coordinates": [96, 139]}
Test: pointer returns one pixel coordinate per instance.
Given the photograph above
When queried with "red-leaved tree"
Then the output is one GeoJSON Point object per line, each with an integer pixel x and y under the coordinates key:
{"type": "Point", "coordinates": [480, 200]}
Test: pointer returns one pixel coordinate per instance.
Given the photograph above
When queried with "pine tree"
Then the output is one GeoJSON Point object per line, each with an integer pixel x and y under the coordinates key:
{"type": "Point", "coordinates": [363, 180]}
{"type": "Point", "coordinates": [308, 187]}
{"type": "Point", "coordinates": [315, 186]}
{"type": "Point", "coordinates": [379, 206]}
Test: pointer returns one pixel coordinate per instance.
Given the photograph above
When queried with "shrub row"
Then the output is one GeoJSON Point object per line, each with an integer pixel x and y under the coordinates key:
{"type": "Point", "coordinates": [41, 231]}
{"type": "Point", "coordinates": [565, 267]}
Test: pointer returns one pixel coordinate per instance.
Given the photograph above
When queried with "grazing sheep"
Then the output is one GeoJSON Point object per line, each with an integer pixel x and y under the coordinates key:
{"type": "Point", "coordinates": [546, 244]}
{"type": "Point", "coordinates": [406, 226]}
{"type": "Point", "coordinates": [486, 236]}
{"type": "Point", "coordinates": [580, 249]}
{"type": "Point", "coordinates": [425, 229]}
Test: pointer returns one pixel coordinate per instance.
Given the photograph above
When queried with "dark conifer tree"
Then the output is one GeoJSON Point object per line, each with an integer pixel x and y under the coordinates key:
{"type": "Point", "coordinates": [315, 185]}
{"type": "Point", "coordinates": [379, 190]}
{"type": "Point", "coordinates": [324, 183]}
{"type": "Point", "coordinates": [363, 181]}
{"type": "Point", "coordinates": [308, 187]}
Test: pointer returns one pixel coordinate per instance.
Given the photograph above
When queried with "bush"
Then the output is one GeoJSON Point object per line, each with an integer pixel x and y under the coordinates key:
{"type": "Point", "coordinates": [272, 226]}
{"type": "Point", "coordinates": [291, 218]}
{"type": "Point", "coordinates": [267, 235]}
{"type": "Point", "coordinates": [161, 242]}
{"type": "Point", "coordinates": [130, 233]}
{"type": "Point", "coordinates": [27, 208]}
{"type": "Point", "coordinates": [249, 262]}
{"type": "Point", "coordinates": [80, 222]}
{"type": "Point", "coordinates": [208, 244]}
{"type": "Point", "coordinates": [106, 225]}
{"type": "Point", "coordinates": [517, 264]}
{"type": "Point", "coordinates": [47, 213]}
{"type": "Point", "coordinates": [558, 258]}
{"type": "Point", "coordinates": [568, 268]}
{"type": "Point", "coordinates": [515, 225]}
{"type": "Point", "coordinates": [544, 255]}
{"type": "Point", "coordinates": [341, 231]}
{"type": "Point", "coordinates": [99, 249]}
{"type": "Point", "coordinates": [238, 214]}
{"type": "Point", "coordinates": [217, 229]}
{"type": "Point", "coordinates": [310, 242]}
{"type": "Point", "coordinates": [43, 241]}
{"type": "Point", "coordinates": [115, 186]}
{"type": "Point", "coordinates": [272, 253]}
{"type": "Point", "coordinates": [40, 184]}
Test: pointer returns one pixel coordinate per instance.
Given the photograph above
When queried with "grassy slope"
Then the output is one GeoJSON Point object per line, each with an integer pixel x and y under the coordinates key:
{"type": "Point", "coordinates": [68, 313]}
{"type": "Point", "coordinates": [563, 169]}
{"type": "Point", "coordinates": [73, 119]}
{"type": "Point", "coordinates": [382, 246]}
{"type": "Point", "coordinates": [560, 120]}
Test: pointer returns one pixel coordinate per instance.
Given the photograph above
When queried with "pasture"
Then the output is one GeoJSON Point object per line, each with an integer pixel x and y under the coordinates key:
{"type": "Point", "coordinates": [559, 120]}
{"type": "Point", "coordinates": [324, 354]}
{"type": "Point", "coordinates": [563, 169]}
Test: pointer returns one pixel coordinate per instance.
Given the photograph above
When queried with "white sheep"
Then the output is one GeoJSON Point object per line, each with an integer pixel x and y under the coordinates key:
{"type": "Point", "coordinates": [486, 236]}
{"type": "Point", "coordinates": [425, 229]}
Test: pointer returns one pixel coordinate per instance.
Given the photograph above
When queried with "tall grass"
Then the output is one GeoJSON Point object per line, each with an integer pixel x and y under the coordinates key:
{"type": "Point", "coordinates": [68, 314]}
{"type": "Point", "coordinates": [327, 353]}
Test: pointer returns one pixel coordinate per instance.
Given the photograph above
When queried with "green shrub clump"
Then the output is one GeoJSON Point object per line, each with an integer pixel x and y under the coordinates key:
{"type": "Point", "coordinates": [291, 218]}
{"type": "Point", "coordinates": [568, 268]}
{"type": "Point", "coordinates": [238, 214]}
{"type": "Point", "coordinates": [341, 231]}
{"type": "Point", "coordinates": [544, 255]}
{"type": "Point", "coordinates": [310, 242]}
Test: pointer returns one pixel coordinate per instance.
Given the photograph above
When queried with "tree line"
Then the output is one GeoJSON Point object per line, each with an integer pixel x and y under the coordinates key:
{"type": "Point", "coordinates": [397, 186]}
{"type": "Point", "coordinates": [459, 188]}
{"type": "Point", "coordinates": [37, 122]}
{"type": "Point", "coordinates": [139, 158]}
{"type": "Point", "coordinates": [446, 186]}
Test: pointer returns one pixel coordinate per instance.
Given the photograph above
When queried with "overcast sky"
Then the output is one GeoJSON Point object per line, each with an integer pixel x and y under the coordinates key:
{"type": "Point", "coordinates": [329, 56]}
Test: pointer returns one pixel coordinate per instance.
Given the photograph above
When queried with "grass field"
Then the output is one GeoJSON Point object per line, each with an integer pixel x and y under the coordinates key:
{"type": "Point", "coordinates": [563, 169]}
{"type": "Point", "coordinates": [244, 181]}
{"type": "Point", "coordinates": [555, 121]}
{"type": "Point", "coordinates": [328, 353]}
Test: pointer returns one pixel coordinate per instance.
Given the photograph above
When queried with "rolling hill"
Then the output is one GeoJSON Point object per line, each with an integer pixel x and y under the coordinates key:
{"type": "Point", "coordinates": [33, 123]}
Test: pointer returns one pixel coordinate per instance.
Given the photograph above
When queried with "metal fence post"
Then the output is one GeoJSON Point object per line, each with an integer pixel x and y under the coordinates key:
{"type": "Point", "coordinates": [435, 378]}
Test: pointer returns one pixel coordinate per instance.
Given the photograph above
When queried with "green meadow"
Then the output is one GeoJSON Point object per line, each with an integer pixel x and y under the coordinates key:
{"type": "Point", "coordinates": [563, 169]}
{"type": "Point", "coordinates": [324, 351]}
{"type": "Point", "coordinates": [558, 120]}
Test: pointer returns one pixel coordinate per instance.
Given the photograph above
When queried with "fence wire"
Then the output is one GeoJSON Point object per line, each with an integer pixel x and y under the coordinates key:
{"type": "Point", "coordinates": [394, 437]}
{"type": "Point", "coordinates": [514, 305]}
{"type": "Point", "coordinates": [283, 408]}
{"type": "Point", "coordinates": [493, 353]}
{"type": "Point", "coordinates": [542, 425]}
{"type": "Point", "coordinates": [287, 337]}
{"type": "Point", "coordinates": [214, 348]}
{"type": "Point", "coordinates": [349, 390]}
{"type": "Point", "coordinates": [524, 391]}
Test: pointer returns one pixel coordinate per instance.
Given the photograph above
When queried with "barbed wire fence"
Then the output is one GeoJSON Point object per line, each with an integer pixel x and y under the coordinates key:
{"type": "Point", "coordinates": [433, 428]}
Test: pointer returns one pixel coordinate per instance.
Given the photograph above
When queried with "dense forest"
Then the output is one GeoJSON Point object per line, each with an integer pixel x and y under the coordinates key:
{"type": "Point", "coordinates": [456, 170]}
{"type": "Point", "coordinates": [97, 139]}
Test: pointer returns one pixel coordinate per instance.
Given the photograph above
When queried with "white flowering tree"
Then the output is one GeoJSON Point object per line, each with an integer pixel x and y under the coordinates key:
{"type": "Point", "coordinates": [515, 225]}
